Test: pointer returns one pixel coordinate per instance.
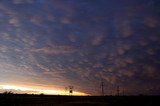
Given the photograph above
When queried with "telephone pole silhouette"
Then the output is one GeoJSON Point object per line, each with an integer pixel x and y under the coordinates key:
{"type": "Point", "coordinates": [102, 85]}
{"type": "Point", "coordinates": [66, 90]}
{"type": "Point", "coordinates": [117, 90]}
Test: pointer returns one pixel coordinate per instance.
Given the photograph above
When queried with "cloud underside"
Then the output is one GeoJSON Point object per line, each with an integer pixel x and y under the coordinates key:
{"type": "Point", "coordinates": [56, 50]}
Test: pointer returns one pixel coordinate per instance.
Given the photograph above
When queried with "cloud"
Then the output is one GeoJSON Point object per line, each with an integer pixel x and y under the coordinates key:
{"type": "Point", "coordinates": [55, 74]}
{"type": "Point", "coordinates": [13, 74]}
{"type": "Point", "coordinates": [98, 40]}
{"type": "Point", "coordinates": [72, 38]}
{"type": "Point", "coordinates": [154, 37]}
{"type": "Point", "coordinates": [150, 71]}
{"type": "Point", "coordinates": [28, 76]}
{"type": "Point", "coordinates": [33, 46]}
{"type": "Point", "coordinates": [129, 60]}
{"type": "Point", "coordinates": [42, 67]}
{"type": "Point", "coordinates": [110, 79]}
{"type": "Point", "coordinates": [65, 20]}
{"type": "Point", "coordinates": [119, 62]}
{"type": "Point", "coordinates": [7, 10]}
{"type": "Point", "coordinates": [37, 20]}
{"type": "Point", "coordinates": [14, 21]}
{"type": "Point", "coordinates": [125, 28]}
{"type": "Point", "coordinates": [55, 50]}
{"type": "Point", "coordinates": [62, 6]}
{"type": "Point", "coordinates": [22, 1]}
{"type": "Point", "coordinates": [11, 15]}
{"type": "Point", "coordinates": [17, 69]}
{"type": "Point", "coordinates": [151, 22]}
{"type": "Point", "coordinates": [120, 50]}
{"type": "Point", "coordinates": [36, 64]}
{"type": "Point", "coordinates": [109, 69]}
{"type": "Point", "coordinates": [151, 51]}
{"type": "Point", "coordinates": [5, 36]}
{"type": "Point", "coordinates": [27, 39]}
{"type": "Point", "coordinates": [123, 47]}
{"type": "Point", "coordinates": [3, 48]}
{"type": "Point", "coordinates": [126, 72]}
{"type": "Point", "coordinates": [101, 55]}
{"type": "Point", "coordinates": [51, 18]}
{"type": "Point", "coordinates": [83, 78]}
{"type": "Point", "coordinates": [143, 42]}
{"type": "Point", "coordinates": [98, 65]}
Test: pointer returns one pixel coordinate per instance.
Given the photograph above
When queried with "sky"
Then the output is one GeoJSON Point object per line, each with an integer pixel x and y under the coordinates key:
{"type": "Point", "coordinates": [52, 44]}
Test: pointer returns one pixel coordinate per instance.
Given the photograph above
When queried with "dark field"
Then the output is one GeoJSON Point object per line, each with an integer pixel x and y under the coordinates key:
{"type": "Point", "coordinates": [47, 100]}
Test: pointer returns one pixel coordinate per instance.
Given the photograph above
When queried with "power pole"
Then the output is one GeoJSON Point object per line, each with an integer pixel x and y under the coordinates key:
{"type": "Point", "coordinates": [66, 90]}
{"type": "Point", "coordinates": [111, 93]}
{"type": "Point", "coordinates": [102, 85]}
{"type": "Point", "coordinates": [117, 90]}
{"type": "Point", "coordinates": [70, 90]}
{"type": "Point", "coordinates": [123, 92]}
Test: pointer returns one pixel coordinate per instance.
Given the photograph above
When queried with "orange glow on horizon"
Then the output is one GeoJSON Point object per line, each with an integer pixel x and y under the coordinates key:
{"type": "Point", "coordinates": [39, 91]}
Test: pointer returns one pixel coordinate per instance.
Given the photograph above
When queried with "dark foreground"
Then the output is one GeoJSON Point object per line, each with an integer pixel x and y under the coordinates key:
{"type": "Point", "coordinates": [45, 100]}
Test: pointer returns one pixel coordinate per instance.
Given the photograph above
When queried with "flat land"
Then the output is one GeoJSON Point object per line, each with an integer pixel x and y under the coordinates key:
{"type": "Point", "coordinates": [50, 100]}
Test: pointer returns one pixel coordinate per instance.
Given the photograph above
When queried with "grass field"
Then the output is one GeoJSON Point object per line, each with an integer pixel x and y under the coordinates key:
{"type": "Point", "coordinates": [48, 100]}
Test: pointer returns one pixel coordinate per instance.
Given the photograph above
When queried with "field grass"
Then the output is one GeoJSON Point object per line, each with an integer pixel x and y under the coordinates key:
{"type": "Point", "coordinates": [49, 100]}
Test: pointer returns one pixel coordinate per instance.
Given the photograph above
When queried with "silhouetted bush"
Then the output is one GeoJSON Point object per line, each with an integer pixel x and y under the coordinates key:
{"type": "Point", "coordinates": [7, 92]}
{"type": "Point", "coordinates": [41, 94]}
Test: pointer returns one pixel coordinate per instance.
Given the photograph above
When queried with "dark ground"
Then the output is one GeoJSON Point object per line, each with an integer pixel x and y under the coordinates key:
{"type": "Point", "coordinates": [48, 100]}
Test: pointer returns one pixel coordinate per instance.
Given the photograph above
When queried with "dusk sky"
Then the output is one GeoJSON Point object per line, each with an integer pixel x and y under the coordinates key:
{"type": "Point", "coordinates": [53, 44]}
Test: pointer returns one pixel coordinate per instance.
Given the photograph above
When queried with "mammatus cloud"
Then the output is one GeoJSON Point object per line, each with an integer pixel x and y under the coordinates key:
{"type": "Point", "coordinates": [98, 40]}
{"type": "Point", "coordinates": [150, 71]}
{"type": "Point", "coordinates": [69, 42]}
{"type": "Point", "coordinates": [151, 22]}
{"type": "Point", "coordinates": [14, 21]}
{"type": "Point", "coordinates": [72, 38]}
{"type": "Point", "coordinates": [37, 20]}
{"type": "Point", "coordinates": [3, 48]}
{"type": "Point", "coordinates": [143, 42]}
{"type": "Point", "coordinates": [125, 28]}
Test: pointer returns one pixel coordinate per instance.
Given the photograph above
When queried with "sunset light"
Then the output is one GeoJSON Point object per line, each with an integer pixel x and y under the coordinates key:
{"type": "Point", "coordinates": [39, 91]}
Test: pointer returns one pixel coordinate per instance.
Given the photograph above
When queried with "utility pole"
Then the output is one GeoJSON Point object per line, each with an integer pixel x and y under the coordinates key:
{"type": "Point", "coordinates": [70, 90]}
{"type": "Point", "coordinates": [102, 85]}
{"type": "Point", "coordinates": [117, 90]}
{"type": "Point", "coordinates": [123, 92]}
{"type": "Point", "coordinates": [111, 93]}
{"type": "Point", "coordinates": [66, 90]}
